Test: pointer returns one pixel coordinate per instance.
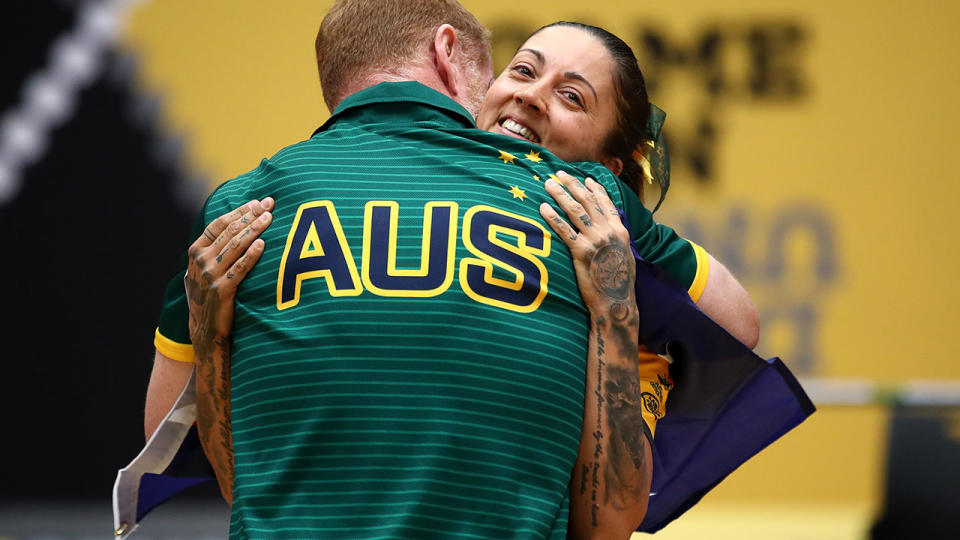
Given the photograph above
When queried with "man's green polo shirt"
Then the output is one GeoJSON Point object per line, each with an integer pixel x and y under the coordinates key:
{"type": "Point", "coordinates": [409, 352]}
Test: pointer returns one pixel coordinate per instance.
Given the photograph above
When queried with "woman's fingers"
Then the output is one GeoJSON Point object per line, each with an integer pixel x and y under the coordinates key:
{"type": "Point", "coordinates": [587, 207]}
{"type": "Point", "coordinates": [219, 225]}
{"type": "Point", "coordinates": [238, 272]}
{"type": "Point", "coordinates": [604, 204]}
{"type": "Point", "coordinates": [234, 226]}
{"type": "Point", "coordinates": [574, 211]}
{"type": "Point", "coordinates": [584, 196]}
{"type": "Point", "coordinates": [559, 225]}
{"type": "Point", "coordinates": [215, 248]}
{"type": "Point", "coordinates": [242, 240]}
{"type": "Point", "coordinates": [615, 224]}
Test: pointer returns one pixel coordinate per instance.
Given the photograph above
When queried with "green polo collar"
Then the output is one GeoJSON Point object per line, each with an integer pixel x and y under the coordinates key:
{"type": "Point", "coordinates": [434, 106]}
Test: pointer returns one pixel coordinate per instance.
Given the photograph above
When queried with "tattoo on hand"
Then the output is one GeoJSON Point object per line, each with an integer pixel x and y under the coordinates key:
{"type": "Point", "coordinates": [587, 222]}
{"type": "Point", "coordinates": [562, 225]}
{"type": "Point", "coordinates": [611, 272]}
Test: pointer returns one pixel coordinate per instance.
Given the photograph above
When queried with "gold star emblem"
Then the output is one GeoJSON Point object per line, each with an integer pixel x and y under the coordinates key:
{"type": "Point", "coordinates": [518, 193]}
{"type": "Point", "coordinates": [507, 157]}
{"type": "Point", "coordinates": [534, 157]}
{"type": "Point", "coordinates": [537, 178]}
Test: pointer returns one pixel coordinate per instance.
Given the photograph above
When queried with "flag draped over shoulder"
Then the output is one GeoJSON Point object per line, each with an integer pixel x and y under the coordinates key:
{"type": "Point", "coordinates": [726, 403]}
{"type": "Point", "coordinates": [171, 462]}
{"type": "Point", "coordinates": [725, 406]}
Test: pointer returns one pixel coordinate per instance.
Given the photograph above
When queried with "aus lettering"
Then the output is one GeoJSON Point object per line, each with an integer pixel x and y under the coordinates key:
{"type": "Point", "coordinates": [505, 267]}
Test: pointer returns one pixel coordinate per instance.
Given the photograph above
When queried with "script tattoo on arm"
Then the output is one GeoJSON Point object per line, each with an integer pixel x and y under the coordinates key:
{"type": "Point", "coordinates": [212, 353]}
{"type": "Point", "coordinates": [618, 386]}
{"type": "Point", "coordinates": [598, 434]}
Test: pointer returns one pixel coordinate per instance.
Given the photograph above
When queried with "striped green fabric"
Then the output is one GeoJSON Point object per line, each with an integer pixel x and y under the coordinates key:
{"type": "Point", "coordinates": [409, 353]}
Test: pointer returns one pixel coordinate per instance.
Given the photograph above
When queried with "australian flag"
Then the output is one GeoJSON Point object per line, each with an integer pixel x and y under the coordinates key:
{"type": "Point", "coordinates": [727, 404]}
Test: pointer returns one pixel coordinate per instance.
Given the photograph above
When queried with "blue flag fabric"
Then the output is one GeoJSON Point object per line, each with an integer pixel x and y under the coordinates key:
{"type": "Point", "coordinates": [188, 469]}
{"type": "Point", "coordinates": [726, 405]}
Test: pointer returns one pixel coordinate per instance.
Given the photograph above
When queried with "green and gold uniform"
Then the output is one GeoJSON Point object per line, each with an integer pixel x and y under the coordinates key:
{"type": "Point", "coordinates": [409, 353]}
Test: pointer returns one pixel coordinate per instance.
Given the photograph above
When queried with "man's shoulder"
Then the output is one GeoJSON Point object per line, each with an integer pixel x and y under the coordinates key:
{"type": "Point", "coordinates": [618, 192]}
{"type": "Point", "coordinates": [266, 168]}
{"type": "Point", "coordinates": [597, 171]}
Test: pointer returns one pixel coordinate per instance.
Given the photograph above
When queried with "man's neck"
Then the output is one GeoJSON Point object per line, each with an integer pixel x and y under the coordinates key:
{"type": "Point", "coordinates": [422, 75]}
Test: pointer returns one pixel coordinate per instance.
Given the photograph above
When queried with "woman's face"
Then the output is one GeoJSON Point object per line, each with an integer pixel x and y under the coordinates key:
{"type": "Point", "coordinates": [557, 92]}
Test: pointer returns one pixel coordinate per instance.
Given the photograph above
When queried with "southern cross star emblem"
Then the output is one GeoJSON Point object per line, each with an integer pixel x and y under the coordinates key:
{"type": "Point", "coordinates": [518, 193]}
{"type": "Point", "coordinates": [507, 157]}
{"type": "Point", "coordinates": [534, 157]}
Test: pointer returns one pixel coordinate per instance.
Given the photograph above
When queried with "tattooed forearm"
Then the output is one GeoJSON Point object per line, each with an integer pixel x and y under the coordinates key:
{"type": "Point", "coordinates": [613, 446]}
{"type": "Point", "coordinates": [626, 446]}
{"type": "Point", "coordinates": [620, 471]}
{"type": "Point", "coordinates": [213, 406]}
{"type": "Point", "coordinates": [212, 354]}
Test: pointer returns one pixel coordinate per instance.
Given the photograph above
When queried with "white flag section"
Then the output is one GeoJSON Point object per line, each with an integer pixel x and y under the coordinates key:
{"type": "Point", "coordinates": [154, 458]}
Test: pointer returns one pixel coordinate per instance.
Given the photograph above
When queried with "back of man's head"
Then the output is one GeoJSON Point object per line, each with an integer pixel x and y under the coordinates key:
{"type": "Point", "coordinates": [358, 38]}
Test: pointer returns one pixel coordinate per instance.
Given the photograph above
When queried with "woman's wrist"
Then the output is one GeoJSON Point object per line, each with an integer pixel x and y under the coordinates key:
{"type": "Point", "coordinates": [621, 314]}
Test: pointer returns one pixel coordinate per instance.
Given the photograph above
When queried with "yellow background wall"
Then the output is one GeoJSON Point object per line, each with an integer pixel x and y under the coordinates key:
{"type": "Point", "coordinates": [830, 190]}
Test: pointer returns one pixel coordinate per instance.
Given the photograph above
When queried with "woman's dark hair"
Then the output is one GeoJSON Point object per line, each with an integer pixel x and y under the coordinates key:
{"type": "Point", "coordinates": [633, 105]}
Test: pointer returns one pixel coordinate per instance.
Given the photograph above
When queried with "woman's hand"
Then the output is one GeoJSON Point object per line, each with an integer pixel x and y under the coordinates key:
{"type": "Point", "coordinates": [218, 261]}
{"type": "Point", "coordinates": [602, 259]}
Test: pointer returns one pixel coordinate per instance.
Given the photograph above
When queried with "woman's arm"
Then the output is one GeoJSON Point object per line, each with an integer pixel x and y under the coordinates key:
{"type": "Point", "coordinates": [610, 486]}
{"type": "Point", "coordinates": [219, 260]}
{"type": "Point", "coordinates": [726, 302]}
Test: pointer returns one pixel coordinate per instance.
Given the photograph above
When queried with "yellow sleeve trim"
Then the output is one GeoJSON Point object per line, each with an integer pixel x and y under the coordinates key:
{"type": "Point", "coordinates": [181, 352]}
{"type": "Point", "coordinates": [703, 271]}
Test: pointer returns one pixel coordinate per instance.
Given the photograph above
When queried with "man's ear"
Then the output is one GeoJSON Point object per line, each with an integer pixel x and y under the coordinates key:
{"type": "Point", "coordinates": [614, 164]}
{"type": "Point", "coordinates": [446, 53]}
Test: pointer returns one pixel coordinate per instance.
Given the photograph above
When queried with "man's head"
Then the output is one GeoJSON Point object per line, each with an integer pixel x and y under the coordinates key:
{"type": "Point", "coordinates": [436, 42]}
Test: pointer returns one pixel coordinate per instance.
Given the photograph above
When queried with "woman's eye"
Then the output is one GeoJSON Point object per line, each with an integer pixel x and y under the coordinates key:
{"type": "Point", "coordinates": [574, 97]}
{"type": "Point", "coordinates": [523, 70]}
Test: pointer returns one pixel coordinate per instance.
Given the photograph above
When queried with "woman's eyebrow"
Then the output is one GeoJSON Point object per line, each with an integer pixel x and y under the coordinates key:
{"type": "Point", "coordinates": [534, 52]}
{"type": "Point", "coordinates": [579, 77]}
{"type": "Point", "coordinates": [569, 74]}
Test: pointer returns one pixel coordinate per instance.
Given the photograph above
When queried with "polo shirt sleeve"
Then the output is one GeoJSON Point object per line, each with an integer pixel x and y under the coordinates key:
{"type": "Point", "coordinates": [659, 244]}
{"type": "Point", "coordinates": [172, 338]}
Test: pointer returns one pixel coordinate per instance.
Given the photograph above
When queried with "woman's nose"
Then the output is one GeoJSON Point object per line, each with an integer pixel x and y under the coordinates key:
{"type": "Point", "coordinates": [531, 96]}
